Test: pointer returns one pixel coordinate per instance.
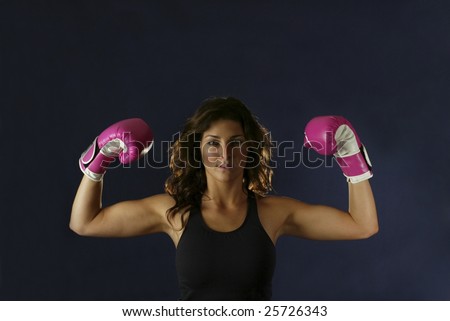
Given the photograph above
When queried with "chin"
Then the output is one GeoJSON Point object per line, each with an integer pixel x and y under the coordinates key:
{"type": "Point", "coordinates": [226, 174]}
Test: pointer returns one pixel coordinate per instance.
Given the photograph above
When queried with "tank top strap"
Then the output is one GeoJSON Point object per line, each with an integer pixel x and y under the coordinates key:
{"type": "Point", "coordinates": [252, 211]}
{"type": "Point", "coordinates": [195, 215]}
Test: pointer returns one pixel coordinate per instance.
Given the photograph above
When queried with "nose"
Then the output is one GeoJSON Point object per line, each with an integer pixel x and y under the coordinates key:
{"type": "Point", "coordinates": [228, 152]}
{"type": "Point", "coordinates": [225, 153]}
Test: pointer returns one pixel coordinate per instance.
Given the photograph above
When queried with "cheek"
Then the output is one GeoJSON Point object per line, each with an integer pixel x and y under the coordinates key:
{"type": "Point", "coordinates": [239, 156]}
{"type": "Point", "coordinates": [247, 155]}
{"type": "Point", "coordinates": [238, 153]}
{"type": "Point", "coordinates": [243, 151]}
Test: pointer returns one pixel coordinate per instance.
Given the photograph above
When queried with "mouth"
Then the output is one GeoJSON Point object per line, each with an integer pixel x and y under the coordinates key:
{"type": "Point", "coordinates": [225, 166]}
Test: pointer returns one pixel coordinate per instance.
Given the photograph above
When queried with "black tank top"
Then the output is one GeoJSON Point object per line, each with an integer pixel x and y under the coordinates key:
{"type": "Point", "coordinates": [236, 265]}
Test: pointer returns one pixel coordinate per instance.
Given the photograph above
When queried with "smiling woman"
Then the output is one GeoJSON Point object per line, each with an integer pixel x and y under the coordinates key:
{"type": "Point", "coordinates": [220, 150]}
{"type": "Point", "coordinates": [221, 138]}
{"type": "Point", "coordinates": [216, 208]}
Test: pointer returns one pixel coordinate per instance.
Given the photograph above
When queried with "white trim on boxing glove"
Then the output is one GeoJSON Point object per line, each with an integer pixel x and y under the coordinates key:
{"type": "Point", "coordinates": [114, 147]}
{"type": "Point", "coordinates": [366, 175]}
{"type": "Point", "coordinates": [359, 178]}
{"type": "Point", "coordinates": [92, 176]}
{"type": "Point", "coordinates": [347, 144]}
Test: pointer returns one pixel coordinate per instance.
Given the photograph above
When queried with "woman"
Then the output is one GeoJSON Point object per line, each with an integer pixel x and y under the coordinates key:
{"type": "Point", "coordinates": [216, 208]}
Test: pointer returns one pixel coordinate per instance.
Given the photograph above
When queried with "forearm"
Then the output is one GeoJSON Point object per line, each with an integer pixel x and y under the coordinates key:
{"type": "Point", "coordinates": [86, 205]}
{"type": "Point", "coordinates": [362, 207]}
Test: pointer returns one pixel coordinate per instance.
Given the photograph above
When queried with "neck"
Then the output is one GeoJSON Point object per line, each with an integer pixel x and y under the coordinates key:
{"type": "Point", "coordinates": [225, 194]}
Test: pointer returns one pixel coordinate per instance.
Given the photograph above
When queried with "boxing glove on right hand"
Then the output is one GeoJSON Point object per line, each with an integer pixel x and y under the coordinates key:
{"type": "Point", "coordinates": [127, 140]}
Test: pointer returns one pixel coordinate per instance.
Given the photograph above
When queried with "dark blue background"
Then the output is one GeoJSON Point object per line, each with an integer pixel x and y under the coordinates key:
{"type": "Point", "coordinates": [70, 69]}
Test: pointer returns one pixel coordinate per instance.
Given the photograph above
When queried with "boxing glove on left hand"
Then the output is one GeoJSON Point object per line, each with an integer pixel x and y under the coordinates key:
{"type": "Point", "coordinates": [335, 135]}
{"type": "Point", "coordinates": [127, 140]}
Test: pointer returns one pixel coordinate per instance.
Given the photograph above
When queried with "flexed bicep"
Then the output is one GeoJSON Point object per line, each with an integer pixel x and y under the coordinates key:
{"type": "Point", "coordinates": [320, 222]}
{"type": "Point", "coordinates": [132, 218]}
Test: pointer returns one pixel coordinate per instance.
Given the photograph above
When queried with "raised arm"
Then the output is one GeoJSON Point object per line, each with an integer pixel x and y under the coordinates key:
{"type": "Point", "coordinates": [126, 140]}
{"type": "Point", "coordinates": [128, 218]}
{"type": "Point", "coordinates": [334, 135]}
{"type": "Point", "coordinates": [321, 222]}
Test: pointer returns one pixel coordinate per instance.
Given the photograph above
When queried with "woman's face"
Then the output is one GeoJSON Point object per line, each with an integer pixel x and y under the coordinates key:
{"type": "Point", "coordinates": [223, 150]}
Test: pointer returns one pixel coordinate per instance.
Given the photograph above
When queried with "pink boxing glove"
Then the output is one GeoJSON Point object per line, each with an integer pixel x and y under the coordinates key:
{"type": "Point", "coordinates": [128, 140]}
{"type": "Point", "coordinates": [334, 135]}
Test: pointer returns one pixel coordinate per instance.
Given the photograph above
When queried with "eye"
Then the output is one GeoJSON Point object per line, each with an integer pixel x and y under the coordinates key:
{"type": "Point", "coordinates": [213, 143]}
{"type": "Point", "coordinates": [235, 143]}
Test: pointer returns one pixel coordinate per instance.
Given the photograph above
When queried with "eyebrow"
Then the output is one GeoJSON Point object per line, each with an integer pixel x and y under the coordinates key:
{"type": "Point", "coordinates": [234, 136]}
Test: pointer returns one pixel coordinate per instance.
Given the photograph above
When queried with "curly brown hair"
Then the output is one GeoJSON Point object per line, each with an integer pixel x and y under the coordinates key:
{"type": "Point", "coordinates": [187, 181]}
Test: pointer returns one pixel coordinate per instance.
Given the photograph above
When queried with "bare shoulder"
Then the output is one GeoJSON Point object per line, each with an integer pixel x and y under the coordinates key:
{"type": "Point", "coordinates": [158, 204]}
{"type": "Point", "coordinates": [274, 211]}
{"type": "Point", "coordinates": [161, 202]}
{"type": "Point", "coordinates": [279, 205]}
